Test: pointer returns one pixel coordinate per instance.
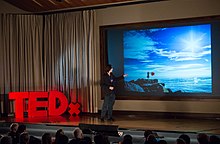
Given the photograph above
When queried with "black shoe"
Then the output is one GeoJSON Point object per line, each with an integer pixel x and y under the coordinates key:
{"type": "Point", "coordinates": [111, 119]}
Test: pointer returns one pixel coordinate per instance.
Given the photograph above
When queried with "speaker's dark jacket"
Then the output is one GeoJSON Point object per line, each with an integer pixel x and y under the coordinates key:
{"type": "Point", "coordinates": [108, 81]}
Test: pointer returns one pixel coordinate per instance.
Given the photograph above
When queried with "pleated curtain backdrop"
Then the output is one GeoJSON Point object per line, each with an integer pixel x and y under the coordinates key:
{"type": "Point", "coordinates": [51, 52]}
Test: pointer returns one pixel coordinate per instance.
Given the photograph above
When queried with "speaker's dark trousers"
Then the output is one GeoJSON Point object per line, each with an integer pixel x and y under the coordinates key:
{"type": "Point", "coordinates": [108, 103]}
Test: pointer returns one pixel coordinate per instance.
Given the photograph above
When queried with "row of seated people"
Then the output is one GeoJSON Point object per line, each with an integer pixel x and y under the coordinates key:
{"type": "Point", "coordinates": [202, 138]}
{"type": "Point", "coordinates": [19, 135]}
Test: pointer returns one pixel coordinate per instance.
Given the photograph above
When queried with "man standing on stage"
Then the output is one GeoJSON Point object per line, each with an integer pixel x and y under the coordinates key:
{"type": "Point", "coordinates": [108, 84]}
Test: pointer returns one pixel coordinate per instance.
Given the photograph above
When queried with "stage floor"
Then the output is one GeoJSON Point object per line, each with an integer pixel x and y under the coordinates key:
{"type": "Point", "coordinates": [134, 122]}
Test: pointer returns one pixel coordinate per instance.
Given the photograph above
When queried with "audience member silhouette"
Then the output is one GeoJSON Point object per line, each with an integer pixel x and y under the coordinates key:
{"type": "Point", "coordinates": [62, 139]}
{"type": "Point", "coordinates": [185, 137]}
{"type": "Point", "coordinates": [151, 139]}
{"type": "Point", "coordinates": [46, 138]}
{"type": "Point", "coordinates": [59, 132]}
{"type": "Point", "coordinates": [12, 132]}
{"type": "Point", "coordinates": [21, 128]}
{"type": "Point", "coordinates": [99, 138]}
{"type": "Point", "coordinates": [24, 138]}
{"type": "Point", "coordinates": [127, 139]}
{"type": "Point", "coordinates": [203, 138]}
{"type": "Point", "coordinates": [146, 134]}
{"type": "Point", "coordinates": [213, 139]}
{"type": "Point", "coordinates": [180, 141]}
{"type": "Point", "coordinates": [6, 140]}
{"type": "Point", "coordinates": [78, 135]}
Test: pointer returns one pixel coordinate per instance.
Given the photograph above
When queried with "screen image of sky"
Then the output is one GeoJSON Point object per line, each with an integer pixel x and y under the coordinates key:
{"type": "Point", "coordinates": [172, 55]}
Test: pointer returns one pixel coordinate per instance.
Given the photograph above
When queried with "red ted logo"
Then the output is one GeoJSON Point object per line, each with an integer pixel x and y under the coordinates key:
{"type": "Point", "coordinates": [54, 103]}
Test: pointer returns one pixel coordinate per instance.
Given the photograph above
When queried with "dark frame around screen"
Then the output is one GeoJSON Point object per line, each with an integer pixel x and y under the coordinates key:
{"type": "Point", "coordinates": [104, 58]}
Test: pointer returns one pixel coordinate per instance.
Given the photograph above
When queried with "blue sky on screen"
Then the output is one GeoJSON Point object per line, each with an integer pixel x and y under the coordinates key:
{"type": "Point", "coordinates": [174, 52]}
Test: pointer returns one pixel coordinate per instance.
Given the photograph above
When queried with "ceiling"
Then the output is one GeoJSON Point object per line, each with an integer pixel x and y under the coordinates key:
{"type": "Point", "coordinates": [42, 6]}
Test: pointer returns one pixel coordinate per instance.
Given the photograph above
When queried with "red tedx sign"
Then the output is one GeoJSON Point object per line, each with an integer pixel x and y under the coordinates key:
{"type": "Point", "coordinates": [48, 101]}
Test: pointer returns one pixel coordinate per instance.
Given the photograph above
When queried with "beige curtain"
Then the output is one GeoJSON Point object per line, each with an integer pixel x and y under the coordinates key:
{"type": "Point", "coordinates": [71, 62]}
{"type": "Point", "coordinates": [51, 52]}
{"type": "Point", "coordinates": [21, 53]}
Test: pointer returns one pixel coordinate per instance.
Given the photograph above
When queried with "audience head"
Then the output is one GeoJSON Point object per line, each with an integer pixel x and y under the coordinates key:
{"type": "Point", "coordinates": [21, 128]}
{"type": "Point", "coordinates": [151, 139]}
{"type": "Point", "coordinates": [6, 140]}
{"type": "Point", "coordinates": [62, 139]}
{"type": "Point", "coordinates": [202, 138]}
{"type": "Point", "coordinates": [147, 133]}
{"type": "Point", "coordinates": [127, 139]}
{"type": "Point", "coordinates": [213, 139]}
{"type": "Point", "coordinates": [186, 138]}
{"type": "Point", "coordinates": [127, 136]}
{"type": "Point", "coordinates": [13, 133]}
{"type": "Point", "coordinates": [77, 133]}
{"type": "Point", "coordinates": [180, 141]}
{"type": "Point", "coordinates": [59, 132]}
{"type": "Point", "coordinates": [98, 138]}
{"type": "Point", "coordinates": [101, 139]}
{"type": "Point", "coordinates": [24, 138]}
{"type": "Point", "coordinates": [14, 127]}
{"type": "Point", "coordinates": [46, 138]}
